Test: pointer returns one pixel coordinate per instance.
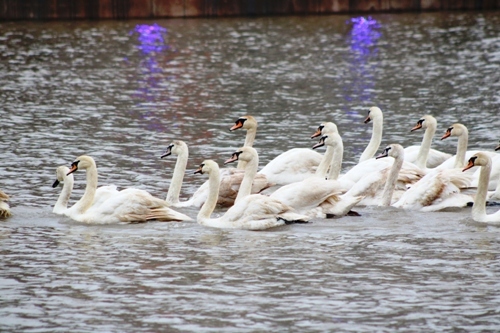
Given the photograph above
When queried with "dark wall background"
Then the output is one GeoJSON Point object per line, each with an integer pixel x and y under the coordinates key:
{"type": "Point", "coordinates": [116, 9]}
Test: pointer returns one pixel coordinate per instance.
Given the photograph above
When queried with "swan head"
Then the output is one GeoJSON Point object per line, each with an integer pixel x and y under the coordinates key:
{"type": "Point", "coordinates": [207, 166]}
{"type": "Point", "coordinates": [478, 159]}
{"type": "Point", "coordinates": [62, 175]}
{"type": "Point", "coordinates": [81, 162]}
{"type": "Point", "coordinates": [325, 128]}
{"type": "Point", "coordinates": [245, 122]}
{"type": "Point", "coordinates": [325, 140]}
{"type": "Point", "coordinates": [424, 122]}
{"type": "Point", "coordinates": [394, 150]}
{"type": "Point", "coordinates": [373, 113]}
{"type": "Point", "coordinates": [245, 154]}
{"type": "Point", "coordinates": [455, 130]}
{"type": "Point", "coordinates": [176, 147]}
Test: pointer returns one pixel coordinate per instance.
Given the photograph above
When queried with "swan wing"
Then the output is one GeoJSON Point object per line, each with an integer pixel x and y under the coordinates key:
{"type": "Point", "coordinates": [292, 166]}
{"type": "Point", "coordinates": [259, 212]}
{"type": "Point", "coordinates": [307, 194]}
{"type": "Point", "coordinates": [131, 205]}
{"type": "Point", "coordinates": [436, 191]}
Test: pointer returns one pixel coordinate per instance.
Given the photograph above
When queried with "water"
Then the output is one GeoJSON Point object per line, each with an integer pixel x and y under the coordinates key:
{"type": "Point", "coordinates": [122, 91]}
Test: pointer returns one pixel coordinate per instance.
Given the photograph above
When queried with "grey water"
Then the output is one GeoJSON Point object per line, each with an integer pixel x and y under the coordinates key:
{"type": "Point", "coordinates": [121, 91]}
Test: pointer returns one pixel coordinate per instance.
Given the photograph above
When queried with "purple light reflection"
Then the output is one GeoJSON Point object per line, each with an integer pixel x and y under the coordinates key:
{"type": "Point", "coordinates": [363, 39]}
{"type": "Point", "coordinates": [151, 38]}
{"type": "Point", "coordinates": [152, 42]}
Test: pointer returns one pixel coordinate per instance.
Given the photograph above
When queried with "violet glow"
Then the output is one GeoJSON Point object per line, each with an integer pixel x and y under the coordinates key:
{"type": "Point", "coordinates": [151, 38]}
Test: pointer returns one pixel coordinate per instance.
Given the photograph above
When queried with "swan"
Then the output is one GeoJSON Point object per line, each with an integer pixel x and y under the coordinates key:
{"type": "Point", "coordinates": [129, 205]}
{"type": "Point", "coordinates": [423, 156]}
{"type": "Point", "coordinates": [316, 196]}
{"type": "Point", "coordinates": [250, 211]}
{"type": "Point", "coordinates": [479, 207]}
{"type": "Point", "coordinates": [498, 146]}
{"type": "Point", "coordinates": [102, 193]}
{"type": "Point", "coordinates": [230, 181]}
{"type": "Point", "coordinates": [378, 187]}
{"type": "Point", "coordinates": [462, 155]}
{"type": "Point", "coordinates": [4, 206]}
{"type": "Point", "coordinates": [291, 166]}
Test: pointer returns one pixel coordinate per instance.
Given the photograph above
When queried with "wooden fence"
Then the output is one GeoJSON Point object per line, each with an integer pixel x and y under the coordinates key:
{"type": "Point", "coordinates": [124, 9]}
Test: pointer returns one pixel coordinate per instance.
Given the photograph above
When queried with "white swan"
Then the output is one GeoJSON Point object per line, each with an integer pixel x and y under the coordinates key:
{"type": "Point", "coordinates": [316, 196]}
{"type": "Point", "coordinates": [462, 155]}
{"type": "Point", "coordinates": [250, 211]}
{"type": "Point", "coordinates": [102, 193]}
{"type": "Point", "coordinates": [291, 166]}
{"type": "Point", "coordinates": [129, 205]}
{"type": "Point", "coordinates": [230, 181]}
{"type": "Point", "coordinates": [4, 206]}
{"type": "Point", "coordinates": [423, 156]}
{"type": "Point", "coordinates": [378, 187]}
{"type": "Point", "coordinates": [479, 207]}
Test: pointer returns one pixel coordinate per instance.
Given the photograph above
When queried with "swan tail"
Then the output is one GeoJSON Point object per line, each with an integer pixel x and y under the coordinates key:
{"type": "Point", "coordinates": [340, 205]}
{"type": "Point", "coordinates": [165, 214]}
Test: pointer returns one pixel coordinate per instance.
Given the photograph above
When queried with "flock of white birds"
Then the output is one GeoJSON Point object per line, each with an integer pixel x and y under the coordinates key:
{"type": "Point", "coordinates": [299, 184]}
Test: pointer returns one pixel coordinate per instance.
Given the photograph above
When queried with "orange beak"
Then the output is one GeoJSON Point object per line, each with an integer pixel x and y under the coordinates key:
{"type": "Point", "coordinates": [318, 133]}
{"type": "Point", "coordinates": [446, 135]}
{"type": "Point", "coordinates": [416, 127]}
{"type": "Point", "coordinates": [238, 124]}
{"type": "Point", "coordinates": [233, 158]}
{"type": "Point", "coordinates": [74, 167]}
{"type": "Point", "coordinates": [468, 166]}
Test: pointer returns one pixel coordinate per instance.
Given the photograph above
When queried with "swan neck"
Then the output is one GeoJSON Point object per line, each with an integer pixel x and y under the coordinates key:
{"type": "Point", "coordinates": [88, 197]}
{"type": "Point", "coordinates": [336, 165]}
{"type": "Point", "coordinates": [62, 200]}
{"type": "Point", "coordinates": [246, 184]}
{"type": "Point", "coordinates": [391, 182]}
{"type": "Point", "coordinates": [323, 166]}
{"type": "Point", "coordinates": [423, 153]}
{"type": "Point", "coordinates": [213, 194]}
{"type": "Point", "coordinates": [174, 189]}
{"type": "Point", "coordinates": [249, 140]}
{"type": "Point", "coordinates": [461, 150]}
{"type": "Point", "coordinates": [375, 140]}
{"type": "Point", "coordinates": [479, 207]}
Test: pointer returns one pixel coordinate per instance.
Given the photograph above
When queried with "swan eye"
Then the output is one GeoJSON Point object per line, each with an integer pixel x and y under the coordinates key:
{"type": "Point", "coordinates": [473, 159]}
{"type": "Point", "coordinates": [320, 127]}
{"type": "Point", "coordinates": [75, 164]}
{"type": "Point", "coordinates": [449, 129]}
{"type": "Point", "coordinates": [387, 149]}
{"type": "Point", "coordinates": [420, 122]}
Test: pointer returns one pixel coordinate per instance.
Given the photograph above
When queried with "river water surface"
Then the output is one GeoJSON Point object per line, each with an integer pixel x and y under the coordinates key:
{"type": "Point", "coordinates": [121, 91]}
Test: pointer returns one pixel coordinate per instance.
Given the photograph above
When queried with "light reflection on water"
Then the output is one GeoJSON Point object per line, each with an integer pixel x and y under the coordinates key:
{"type": "Point", "coordinates": [121, 91]}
